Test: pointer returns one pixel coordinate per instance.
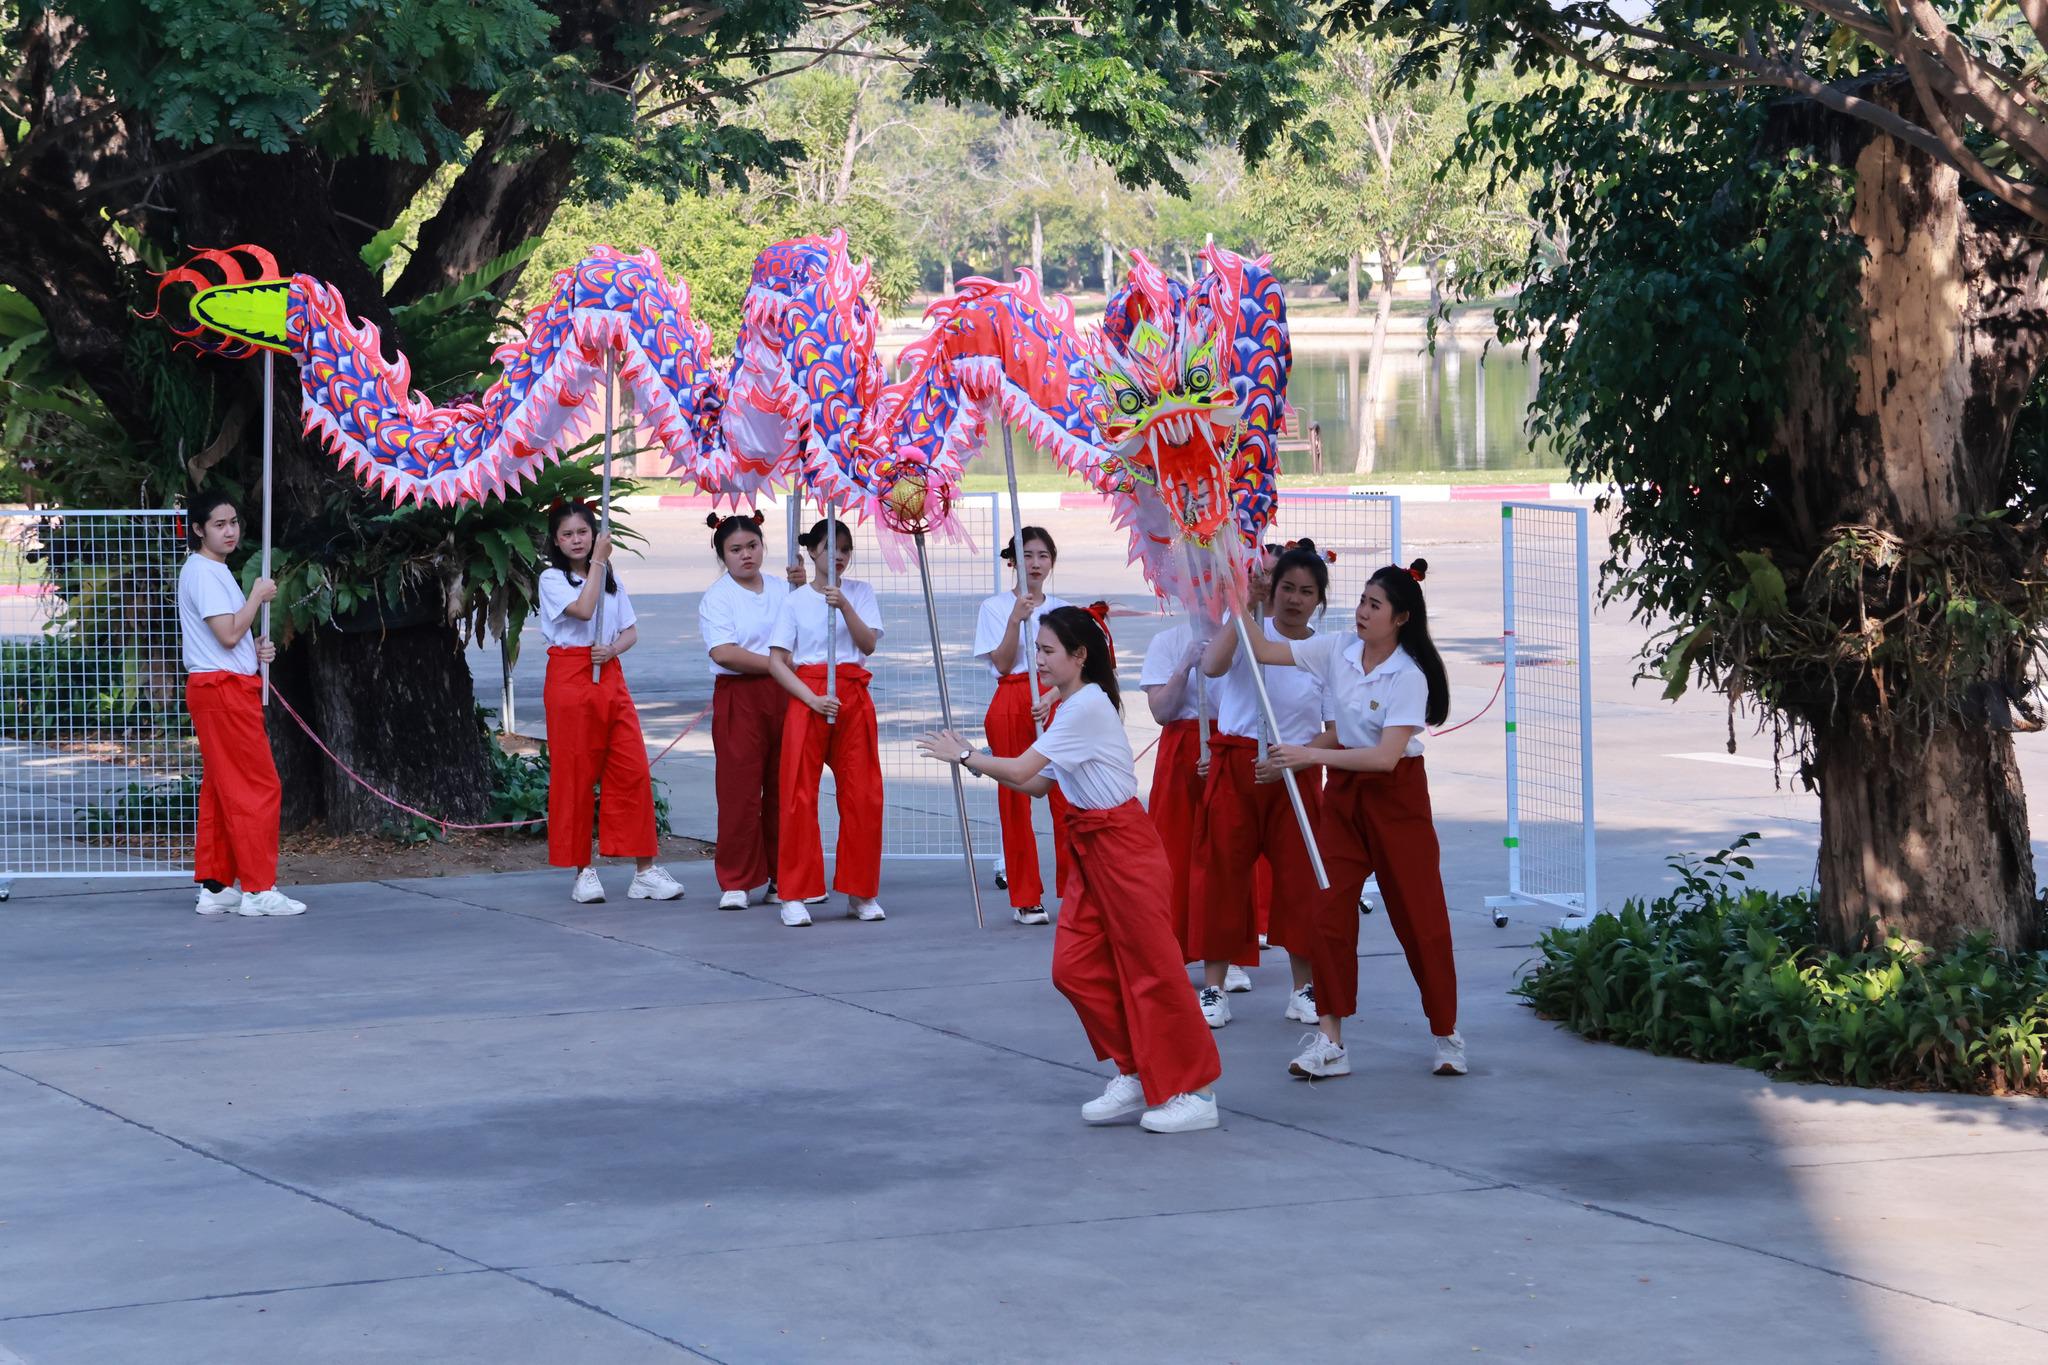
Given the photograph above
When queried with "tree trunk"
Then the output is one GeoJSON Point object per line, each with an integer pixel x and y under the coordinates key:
{"type": "Point", "coordinates": [1923, 821]}
{"type": "Point", "coordinates": [1375, 366]}
{"type": "Point", "coordinates": [946, 272]}
{"type": "Point", "coordinates": [1038, 245]}
{"type": "Point", "coordinates": [1351, 285]}
{"type": "Point", "coordinates": [1108, 268]}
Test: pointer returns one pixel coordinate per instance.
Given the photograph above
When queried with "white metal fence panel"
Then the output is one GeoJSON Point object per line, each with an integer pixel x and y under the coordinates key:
{"type": "Point", "coordinates": [919, 817]}
{"type": "Point", "coordinates": [1362, 530]}
{"type": "Point", "coordinates": [99, 773]}
{"type": "Point", "coordinates": [1546, 623]}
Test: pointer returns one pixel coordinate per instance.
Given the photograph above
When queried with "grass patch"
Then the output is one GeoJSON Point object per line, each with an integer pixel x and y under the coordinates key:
{"type": "Point", "coordinates": [1726, 973]}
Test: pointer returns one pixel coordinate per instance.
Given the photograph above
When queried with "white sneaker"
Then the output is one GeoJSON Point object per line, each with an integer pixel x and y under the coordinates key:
{"type": "Point", "coordinates": [1450, 1055]}
{"type": "Point", "coordinates": [764, 893]}
{"type": "Point", "coordinates": [817, 900]}
{"type": "Point", "coordinates": [1215, 1008]}
{"type": "Point", "coordinates": [271, 902]}
{"type": "Point", "coordinates": [655, 884]}
{"type": "Point", "coordinates": [1002, 876]}
{"type": "Point", "coordinates": [1122, 1096]}
{"type": "Point", "coordinates": [794, 915]}
{"type": "Point", "coordinates": [588, 889]}
{"type": "Point", "coordinates": [1319, 1058]}
{"type": "Point", "coordinates": [1236, 979]}
{"type": "Point", "coordinates": [1184, 1113]}
{"type": "Point", "coordinates": [1301, 1006]}
{"type": "Point", "coordinates": [735, 900]}
{"type": "Point", "coordinates": [218, 902]}
{"type": "Point", "coordinates": [1263, 945]}
{"type": "Point", "coordinates": [1030, 914]}
{"type": "Point", "coordinates": [865, 908]}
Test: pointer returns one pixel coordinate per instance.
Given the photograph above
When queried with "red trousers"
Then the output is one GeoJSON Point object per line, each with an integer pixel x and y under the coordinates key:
{"type": "Point", "coordinates": [849, 745]}
{"type": "Point", "coordinates": [1115, 959]}
{"type": "Point", "coordinates": [594, 742]}
{"type": "Point", "coordinates": [238, 787]}
{"type": "Point", "coordinates": [746, 744]}
{"type": "Point", "coordinates": [1010, 732]}
{"type": "Point", "coordinates": [1174, 805]}
{"type": "Point", "coordinates": [1381, 823]}
{"type": "Point", "coordinates": [1244, 825]}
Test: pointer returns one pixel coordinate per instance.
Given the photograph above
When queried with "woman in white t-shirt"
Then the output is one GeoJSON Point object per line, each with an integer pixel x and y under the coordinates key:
{"type": "Point", "coordinates": [1114, 955]}
{"type": "Point", "coordinates": [735, 617]}
{"type": "Point", "coordinates": [1387, 685]}
{"type": "Point", "coordinates": [1005, 629]}
{"type": "Point", "coordinates": [594, 738]}
{"type": "Point", "coordinates": [818, 730]}
{"type": "Point", "coordinates": [1246, 818]}
{"type": "Point", "coordinates": [239, 793]}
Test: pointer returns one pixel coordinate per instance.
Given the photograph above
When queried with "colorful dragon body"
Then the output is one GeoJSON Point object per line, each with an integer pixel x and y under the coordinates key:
{"type": "Point", "coordinates": [1170, 408]}
{"type": "Point", "coordinates": [365, 410]}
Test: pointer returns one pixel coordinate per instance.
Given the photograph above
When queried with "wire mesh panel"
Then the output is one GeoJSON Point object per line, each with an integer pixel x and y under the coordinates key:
{"type": "Point", "coordinates": [99, 773]}
{"type": "Point", "coordinates": [919, 817]}
{"type": "Point", "coordinates": [1546, 621]}
{"type": "Point", "coordinates": [1363, 531]}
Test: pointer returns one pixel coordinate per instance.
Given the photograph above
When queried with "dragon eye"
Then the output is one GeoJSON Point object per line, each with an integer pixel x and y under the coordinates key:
{"type": "Point", "coordinates": [1198, 377]}
{"type": "Point", "coordinates": [1128, 403]}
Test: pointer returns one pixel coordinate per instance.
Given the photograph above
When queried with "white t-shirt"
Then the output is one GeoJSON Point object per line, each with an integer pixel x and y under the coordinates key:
{"type": "Point", "coordinates": [560, 628]}
{"type": "Point", "coordinates": [800, 623]}
{"type": "Point", "coordinates": [1089, 753]}
{"type": "Point", "coordinates": [1300, 698]}
{"type": "Point", "coordinates": [1395, 693]}
{"type": "Point", "coordinates": [995, 615]}
{"type": "Point", "coordinates": [1162, 656]}
{"type": "Point", "coordinates": [731, 615]}
{"type": "Point", "coordinates": [207, 587]}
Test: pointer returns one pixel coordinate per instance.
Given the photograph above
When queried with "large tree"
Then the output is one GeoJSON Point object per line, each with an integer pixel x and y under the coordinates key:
{"type": "Point", "coordinates": [134, 130]}
{"type": "Point", "coordinates": [1802, 330]}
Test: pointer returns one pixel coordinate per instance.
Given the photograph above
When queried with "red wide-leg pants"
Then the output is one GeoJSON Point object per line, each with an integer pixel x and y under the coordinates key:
{"type": "Point", "coordinates": [238, 787]}
{"type": "Point", "coordinates": [850, 746]}
{"type": "Point", "coordinates": [1175, 804]}
{"type": "Point", "coordinates": [1245, 826]}
{"type": "Point", "coordinates": [594, 742]}
{"type": "Point", "coordinates": [1010, 732]}
{"type": "Point", "coordinates": [1115, 958]}
{"type": "Point", "coordinates": [1381, 823]}
{"type": "Point", "coordinates": [746, 741]}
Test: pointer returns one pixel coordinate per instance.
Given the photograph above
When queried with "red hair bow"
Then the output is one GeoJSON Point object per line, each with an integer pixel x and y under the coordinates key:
{"type": "Point", "coordinates": [1100, 611]}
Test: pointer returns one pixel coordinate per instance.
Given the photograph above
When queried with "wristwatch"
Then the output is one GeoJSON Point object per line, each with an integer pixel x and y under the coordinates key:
{"type": "Point", "coordinates": [966, 754]}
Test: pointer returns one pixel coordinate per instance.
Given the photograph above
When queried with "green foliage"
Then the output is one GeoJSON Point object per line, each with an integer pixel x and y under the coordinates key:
{"type": "Point", "coordinates": [1724, 973]}
{"type": "Point", "coordinates": [142, 810]}
{"type": "Point", "coordinates": [519, 791]}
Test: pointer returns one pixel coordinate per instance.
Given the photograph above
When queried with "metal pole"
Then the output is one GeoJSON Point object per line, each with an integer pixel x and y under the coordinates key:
{"type": "Point", "coordinates": [1030, 647]}
{"type": "Point", "coordinates": [611, 376]}
{"type": "Point", "coordinates": [1259, 620]}
{"type": "Point", "coordinates": [831, 624]}
{"type": "Point", "coordinates": [1585, 586]}
{"type": "Point", "coordinates": [1507, 663]}
{"type": "Point", "coordinates": [507, 720]}
{"type": "Point", "coordinates": [931, 616]}
{"type": "Point", "coordinates": [1308, 834]}
{"type": "Point", "coordinates": [269, 397]}
{"type": "Point", "coordinates": [794, 503]}
{"type": "Point", "coordinates": [1187, 552]}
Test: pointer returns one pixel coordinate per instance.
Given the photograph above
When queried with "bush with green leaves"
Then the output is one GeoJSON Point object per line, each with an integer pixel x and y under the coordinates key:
{"type": "Point", "coordinates": [1723, 972]}
{"type": "Point", "coordinates": [519, 791]}
{"type": "Point", "coordinates": [143, 810]}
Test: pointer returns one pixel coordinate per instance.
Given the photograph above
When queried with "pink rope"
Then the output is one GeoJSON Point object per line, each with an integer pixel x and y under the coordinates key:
{"type": "Point", "coordinates": [435, 820]}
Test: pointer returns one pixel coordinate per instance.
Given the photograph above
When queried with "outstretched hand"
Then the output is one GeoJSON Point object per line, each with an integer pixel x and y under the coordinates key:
{"type": "Point", "coordinates": [944, 745]}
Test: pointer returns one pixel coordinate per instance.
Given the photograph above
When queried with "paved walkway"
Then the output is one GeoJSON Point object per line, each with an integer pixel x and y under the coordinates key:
{"type": "Point", "coordinates": [463, 1120]}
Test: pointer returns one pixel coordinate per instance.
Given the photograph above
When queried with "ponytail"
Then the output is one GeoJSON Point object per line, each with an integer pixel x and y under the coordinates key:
{"type": "Point", "coordinates": [1403, 589]}
{"type": "Point", "coordinates": [1077, 631]}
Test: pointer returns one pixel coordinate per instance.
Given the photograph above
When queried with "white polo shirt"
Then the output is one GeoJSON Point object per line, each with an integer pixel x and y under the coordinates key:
{"type": "Point", "coordinates": [995, 616]}
{"type": "Point", "coordinates": [801, 621]}
{"type": "Point", "coordinates": [729, 614]}
{"type": "Point", "coordinates": [207, 587]}
{"type": "Point", "coordinates": [1162, 656]}
{"type": "Point", "coordinates": [1089, 753]}
{"type": "Point", "coordinates": [558, 627]}
{"type": "Point", "coordinates": [1300, 698]}
{"type": "Point", "coordinates": [1395, 693]}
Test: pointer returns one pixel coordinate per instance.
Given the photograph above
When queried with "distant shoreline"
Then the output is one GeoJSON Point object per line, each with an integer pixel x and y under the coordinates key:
{"type": "Point", "coordinates": [1470, 325]}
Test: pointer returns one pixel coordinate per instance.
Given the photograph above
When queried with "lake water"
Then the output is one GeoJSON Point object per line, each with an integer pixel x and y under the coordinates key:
{"type": "Point", "coordinates": [1458, 409]}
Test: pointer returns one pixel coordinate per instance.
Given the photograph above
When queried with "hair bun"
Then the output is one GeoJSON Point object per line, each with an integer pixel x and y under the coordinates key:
{"type": "Point", "coordinates": [760, 517]}
{"type": "Point", "coordinates": [1418, 569]}
{"type": "Point", "coordinates": [712, 519]}
{"type": "Point", "coordinates": [1303, 544]}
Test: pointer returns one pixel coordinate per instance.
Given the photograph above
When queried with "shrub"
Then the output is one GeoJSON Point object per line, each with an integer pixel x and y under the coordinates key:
{"type": "Point", "coordinates": [1727, 973]}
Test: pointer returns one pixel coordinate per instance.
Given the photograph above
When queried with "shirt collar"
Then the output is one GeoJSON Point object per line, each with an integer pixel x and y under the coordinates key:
{"type": "Point", "coordinates": [1396, 662]}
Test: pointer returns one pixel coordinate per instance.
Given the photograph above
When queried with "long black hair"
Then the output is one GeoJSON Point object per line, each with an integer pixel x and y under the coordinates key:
{"type": "Point", "coordinates": [1077, 630]}
{"type": "Point", "coordinates": [815, 537]}
{"type": "Point", "coordinates": [1303, 554]}
{"type": "Point", "coordinates": [1404, 595]}
{"type": "Point", "coordinates": [560, 513]}
{"type": "Point", "coordinates": [725, 528]}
